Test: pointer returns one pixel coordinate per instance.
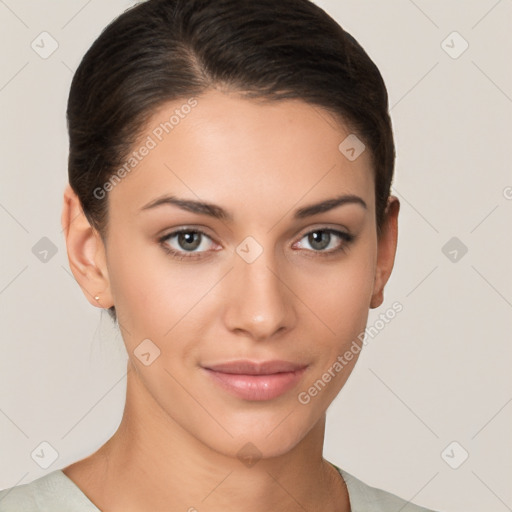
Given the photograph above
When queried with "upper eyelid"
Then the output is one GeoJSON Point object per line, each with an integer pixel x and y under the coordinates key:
{"type": "Point", "coordinates": [185, 230]}
{"type": "Point", "coordinates": [338, 229]}
{"type": "Point", "coordinates": [344, 235]}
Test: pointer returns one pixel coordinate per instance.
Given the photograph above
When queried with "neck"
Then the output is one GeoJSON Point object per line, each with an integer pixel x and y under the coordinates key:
{"type": "Point", "coordinates": [160, 466]}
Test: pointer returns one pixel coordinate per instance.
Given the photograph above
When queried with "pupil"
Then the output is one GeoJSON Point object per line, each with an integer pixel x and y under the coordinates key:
{"type": "Point", "coordinates": [315, 239]}
{"type": "Point", "coordinates": [189, 238]}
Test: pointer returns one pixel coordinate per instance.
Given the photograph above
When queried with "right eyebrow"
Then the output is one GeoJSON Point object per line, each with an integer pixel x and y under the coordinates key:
{"type": "Point", "coordinates": [199, 207]}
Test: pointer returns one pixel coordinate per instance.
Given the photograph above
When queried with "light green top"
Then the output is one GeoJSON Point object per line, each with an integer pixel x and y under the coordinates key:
{"type": "Point", "coordinates": [55, 492]}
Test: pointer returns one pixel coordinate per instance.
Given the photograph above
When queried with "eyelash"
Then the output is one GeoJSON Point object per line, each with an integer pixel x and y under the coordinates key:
{"type": "Point", "coordinates": [182, 255]}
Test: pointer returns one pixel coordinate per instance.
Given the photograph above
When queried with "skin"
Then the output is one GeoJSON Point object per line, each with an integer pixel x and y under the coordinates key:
{"type": "Point", "coordinates": [177, 444]}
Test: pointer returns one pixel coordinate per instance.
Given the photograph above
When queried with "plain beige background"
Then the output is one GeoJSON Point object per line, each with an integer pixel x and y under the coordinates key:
{"type": "Point", "coordinates": [431, 387]}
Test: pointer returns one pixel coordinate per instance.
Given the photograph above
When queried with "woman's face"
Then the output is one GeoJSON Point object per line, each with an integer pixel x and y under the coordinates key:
{"type": "Point", "coordinates": [266, 280]}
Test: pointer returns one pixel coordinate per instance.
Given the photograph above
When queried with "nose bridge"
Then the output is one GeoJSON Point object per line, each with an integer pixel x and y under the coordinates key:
{"type": "Point", "coordinates": [258, 302]}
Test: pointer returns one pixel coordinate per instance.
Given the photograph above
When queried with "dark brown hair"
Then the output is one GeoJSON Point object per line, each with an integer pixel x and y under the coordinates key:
{"type": "Point", "coordinates": [163, 50]}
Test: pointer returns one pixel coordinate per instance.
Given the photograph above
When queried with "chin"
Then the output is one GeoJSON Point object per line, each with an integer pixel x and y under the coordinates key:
{"type": "Point", "coordinates": [259, 438]}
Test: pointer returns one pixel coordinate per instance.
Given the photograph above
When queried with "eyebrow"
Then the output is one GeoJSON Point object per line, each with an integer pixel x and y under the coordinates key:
{"type": "Point", "coordinates": [217, 212]}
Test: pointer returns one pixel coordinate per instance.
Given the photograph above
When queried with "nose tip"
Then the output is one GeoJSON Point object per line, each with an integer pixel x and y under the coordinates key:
{"type": "Point", "coordinates": [258, 303]}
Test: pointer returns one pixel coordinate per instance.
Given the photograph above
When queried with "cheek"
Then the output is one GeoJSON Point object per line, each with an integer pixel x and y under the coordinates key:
{"type": "Point", "coordinates": [151, 291]}
{"type": "Point", "coordinates": [339, 294]}
{"type": "Point", "coordinates": [142, 287]}
{"type": "Point", "coordinates": [341, 299]}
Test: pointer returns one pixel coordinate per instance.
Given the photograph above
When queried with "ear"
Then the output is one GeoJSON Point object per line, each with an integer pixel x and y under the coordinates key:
{"type": "Point", "coordinates": [386, 249]}
{"type": "Point", "coordinates": [86, 252]}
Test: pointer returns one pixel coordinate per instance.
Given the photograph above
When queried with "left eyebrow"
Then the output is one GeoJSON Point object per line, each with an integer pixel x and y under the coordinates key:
{"type": "Point", "coordinates": [329, 204]}
{"type": "Point", "coordinates": [213, 210]}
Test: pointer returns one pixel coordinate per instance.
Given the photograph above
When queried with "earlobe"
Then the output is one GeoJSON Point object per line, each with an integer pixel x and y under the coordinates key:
{"type": "Point", "coordinates": [86, 252]}
{"type": "Point", "coordinates": [386, 250]}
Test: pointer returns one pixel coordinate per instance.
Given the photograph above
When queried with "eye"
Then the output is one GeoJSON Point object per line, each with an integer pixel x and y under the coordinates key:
{"type": "Point", "coordinates": [184, 243]}
{"type": "Point", "coordinates": [191, 243]}
{"type": "Point", "coordinates": [327, 240]}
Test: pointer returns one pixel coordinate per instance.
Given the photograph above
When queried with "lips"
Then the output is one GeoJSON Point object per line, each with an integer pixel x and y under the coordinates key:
{"type": "Point", "coordinates": [256, 368]}
{"type": "Point", "coordinates": [257, 381]}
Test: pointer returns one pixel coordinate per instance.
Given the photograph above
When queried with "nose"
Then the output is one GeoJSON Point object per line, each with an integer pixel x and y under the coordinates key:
{"type": "Point", "coordinates": [259, 302]}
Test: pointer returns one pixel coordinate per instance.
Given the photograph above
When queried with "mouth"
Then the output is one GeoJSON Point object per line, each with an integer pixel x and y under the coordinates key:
{"type": "Point", "coordinates": [256, 380]}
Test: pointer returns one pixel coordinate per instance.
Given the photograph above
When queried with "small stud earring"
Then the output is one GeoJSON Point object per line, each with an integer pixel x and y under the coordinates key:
{"type": "Point", "coordinates": [97, 297]}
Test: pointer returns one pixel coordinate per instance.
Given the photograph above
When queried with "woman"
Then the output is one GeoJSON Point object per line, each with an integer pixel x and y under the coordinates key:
{"type": "Point", "coordinates": [229, 204]}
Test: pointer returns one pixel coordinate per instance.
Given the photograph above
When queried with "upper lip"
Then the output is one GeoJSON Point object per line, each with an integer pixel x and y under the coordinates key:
{"type": "Point", "coordinates": [244, 367]}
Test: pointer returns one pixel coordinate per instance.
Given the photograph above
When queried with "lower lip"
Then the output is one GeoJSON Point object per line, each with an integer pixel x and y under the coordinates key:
{"type": "Point", "coordinates": [257, 387]}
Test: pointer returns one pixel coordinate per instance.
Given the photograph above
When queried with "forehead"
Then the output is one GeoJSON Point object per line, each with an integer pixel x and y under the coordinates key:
{"type": "Point", "coordinates": [245, 154]}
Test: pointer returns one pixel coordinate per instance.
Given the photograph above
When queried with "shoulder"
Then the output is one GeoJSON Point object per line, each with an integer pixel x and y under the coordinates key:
{"type": "Point", "coordinates": [364, 498]}
{"type": "Point", "coordinates": [53, 491]}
